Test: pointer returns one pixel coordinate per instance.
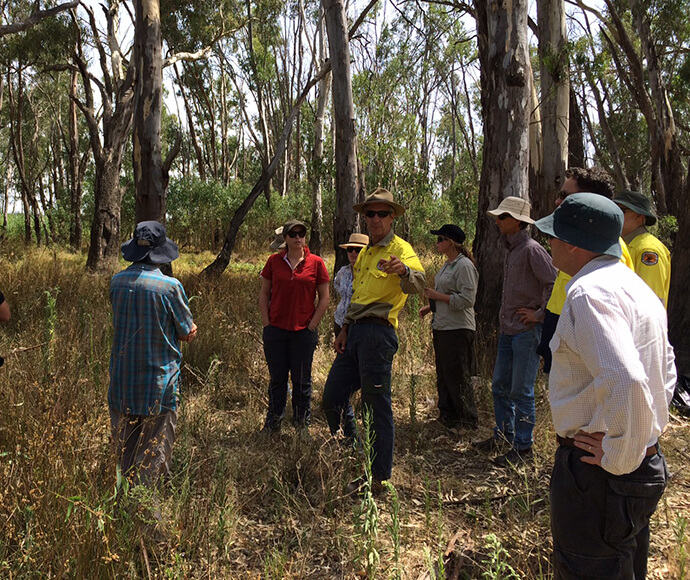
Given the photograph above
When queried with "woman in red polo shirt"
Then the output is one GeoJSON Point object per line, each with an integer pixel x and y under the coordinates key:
{"type": "Point", "coordinates": [290, 283]}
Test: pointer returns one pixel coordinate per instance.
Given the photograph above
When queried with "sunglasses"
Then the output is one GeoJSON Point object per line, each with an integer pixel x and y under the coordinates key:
{"type": "Point", "coordinates": [297, 233]}
{"type": "Point", "coordinates": [441, 239]}
{"type": "Point", "coordinates": [381, 213]}
{"type": "Point", "coordinates": [352, 250]}
{"type": "Point", "coordinates": [504, 216]}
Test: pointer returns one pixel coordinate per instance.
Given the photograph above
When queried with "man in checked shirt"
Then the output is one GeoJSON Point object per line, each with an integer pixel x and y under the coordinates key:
{"type": "Point", "coordinates": [150, 317]}
{"type": "Point", "coordinates": [611, 381]}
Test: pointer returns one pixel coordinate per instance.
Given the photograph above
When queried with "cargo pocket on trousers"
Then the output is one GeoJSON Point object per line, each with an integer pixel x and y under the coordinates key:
{"type": "Point", "coordinates": [577, 566]}
{"type": "Point", "coordinates": [376, 379]}
{"type": "Point", "coordinates": [629, 505]}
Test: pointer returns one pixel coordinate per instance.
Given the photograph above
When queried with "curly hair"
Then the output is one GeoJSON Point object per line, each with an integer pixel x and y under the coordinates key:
{"type": "Point", "coordinates": [593, 180]}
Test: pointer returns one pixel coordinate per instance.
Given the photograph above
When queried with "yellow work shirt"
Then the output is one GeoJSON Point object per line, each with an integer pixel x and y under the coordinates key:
{"type": "Point", "coordinates": [651, 261]}
{"type": "Point", "coordinates": [378, 294]}
{"type": "Point", "coordinates": [557, 300]}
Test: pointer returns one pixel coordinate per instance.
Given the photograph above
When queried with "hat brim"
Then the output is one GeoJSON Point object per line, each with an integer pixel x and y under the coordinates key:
{"type": "Point", "coordinates": [351, 245]}
{"type": "Point", "coordinates": [397, 208]}
{"type": "Point", "coordinates": [163, 254]}
{"type": "Point", "coordinates": [650, 218]}
{"type": "Point", "coordinates": [277, 245]}
{"type": "Point", "coordinates": [447, 235]}
{"type": "Point", "coordinates": [577, 238]}
{"type": "Point", "coordinates": [521, 218]}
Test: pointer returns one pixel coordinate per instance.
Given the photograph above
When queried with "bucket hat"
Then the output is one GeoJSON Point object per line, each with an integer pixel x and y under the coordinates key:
{"type": "Point", "coordinates": [379, 195]}
{"type": "Point", "coordinates": [356, 241]}
{"type": "Point", "coordinates": [588, 221]}
{"type": "Point", "coordinates": [150, 243]}
{"type": "Point", "coordinates": [638, 202]}
{"type": "Point", "coordinates": [514, 206]}
{"type": "Point", "coordinates": [451, 231]}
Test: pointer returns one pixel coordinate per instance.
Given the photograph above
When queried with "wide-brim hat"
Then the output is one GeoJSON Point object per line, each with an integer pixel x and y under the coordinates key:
{"type": "Point", "coordinates": [515, 207]}
{"type": "Point", "coordinates": [450, 231]}
{"type": "Point", "coordinates": [379, 195]}
{"type": "Point", "coordinates": [588, 221]}
{"type": "Point", "coordinates": [356, 241]}
{"type": "Point", "coordinates": [637, 202]}
{"type": "Point", "coordinates": [291, 225]}
{"type": "Point", "coordinates": [278, 242]}
{"type": "Point", "coordinates": [150, 243]}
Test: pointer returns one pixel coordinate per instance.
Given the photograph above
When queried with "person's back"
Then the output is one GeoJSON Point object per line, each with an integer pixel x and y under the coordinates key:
{"type": "Point", "coordinates": [146, 355]}
{"type": "Point", "coordinates": [151, 316]}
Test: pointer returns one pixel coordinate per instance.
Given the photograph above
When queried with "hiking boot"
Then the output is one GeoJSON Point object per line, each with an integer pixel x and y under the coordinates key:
{"type": "Point", "coordinates": [490, 445]}
{"type": "Point", "coordinates": [515, 457]}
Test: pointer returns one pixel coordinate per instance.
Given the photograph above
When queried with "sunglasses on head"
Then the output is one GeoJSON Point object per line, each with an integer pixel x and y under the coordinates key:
{"type": "Point", "coordinates": [353, 250]}
{"type": "Point", "coordinates": [441, 239]}
{"type": "Point", "coordinates": [297, 233]}
{"type": "Point", "coordinates": [381, 213]}
{"type": "Point", "coordinates": [504, 216]}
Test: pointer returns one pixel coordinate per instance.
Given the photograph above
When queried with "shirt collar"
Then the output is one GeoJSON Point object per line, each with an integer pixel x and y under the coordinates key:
{"type": "Point", "coordinates": [632, 235]}
{"type": "Point", "coordinates": [599, 262]}
{"type": "Point", "coordinates": [144, 266]}
{"type": "Point", "coordinates": [514, 240]}
{"type": "Point", "coordinates": [386, 239]}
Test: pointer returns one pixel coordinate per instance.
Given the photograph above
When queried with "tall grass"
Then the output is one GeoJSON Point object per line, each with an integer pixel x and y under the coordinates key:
{"type": "Point", "coordinates": [238, 504]}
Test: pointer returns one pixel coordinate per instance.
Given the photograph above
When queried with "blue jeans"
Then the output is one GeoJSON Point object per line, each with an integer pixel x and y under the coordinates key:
{"type": "Point", "coordinates": [289, 353]}
{"type": "Point", "coordinates": [515, 371]}
{"type": "Point", "coordinates": [366, 364]}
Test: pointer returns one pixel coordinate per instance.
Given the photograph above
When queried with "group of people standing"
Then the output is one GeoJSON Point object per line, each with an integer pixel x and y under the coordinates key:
{"type": "Point", "coordinates": [603, 326]}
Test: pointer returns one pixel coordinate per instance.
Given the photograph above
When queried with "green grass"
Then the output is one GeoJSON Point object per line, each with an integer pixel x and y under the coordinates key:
{"type": "Point", "coordinates": [239, 505]}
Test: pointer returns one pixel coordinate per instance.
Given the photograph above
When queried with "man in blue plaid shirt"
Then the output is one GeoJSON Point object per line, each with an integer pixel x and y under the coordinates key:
{"type": "Point", "coordinates": [150, 317]}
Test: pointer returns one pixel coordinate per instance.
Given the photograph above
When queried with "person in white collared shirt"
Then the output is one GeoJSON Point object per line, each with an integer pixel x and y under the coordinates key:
{"type": "Point", "coordinates": [610, 385]}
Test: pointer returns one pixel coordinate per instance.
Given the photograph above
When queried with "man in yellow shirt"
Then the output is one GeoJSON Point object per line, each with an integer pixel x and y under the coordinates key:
{"type": "Point", "coordinates": [651, 259]}
{"type": "Point", "coordinates": [386, 271]}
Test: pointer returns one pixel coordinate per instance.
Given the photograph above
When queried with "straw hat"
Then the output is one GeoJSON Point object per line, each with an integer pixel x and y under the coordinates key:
{"type": "Point", "coordinates": [356, 241]}
{"type": "Point", "coordinates": [515, 207]}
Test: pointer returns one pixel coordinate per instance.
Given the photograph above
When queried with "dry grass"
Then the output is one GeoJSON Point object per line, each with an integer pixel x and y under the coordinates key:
{"type": "Point", "coordinates": [239, 505]}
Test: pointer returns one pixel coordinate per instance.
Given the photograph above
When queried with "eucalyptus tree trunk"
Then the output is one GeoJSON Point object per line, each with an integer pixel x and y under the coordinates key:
{"type": "Point", "coordinates": [315, 238]}
{"type": "Point", "coordinates": [554, 104]}
{"type": "Point", "coordinates": [345, 131]}
{"type": "Point", "coordinates": [107, 135]}
{"type": "Point", "coordinates": [506, 94]}
{"type": "Point", "coordinates": [148, 102]}
{"type": "Point", "coordinates": [75, 175]}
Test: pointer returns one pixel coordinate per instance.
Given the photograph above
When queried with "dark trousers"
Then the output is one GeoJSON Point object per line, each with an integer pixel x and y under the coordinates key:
{"type": "Point", "coordinates": [548, 329]}
{"type": "Point", "coordinates": [600, 521]}
{"type": "Point", "coordinates": [289, 353]}
{"type": "Point", "coordinates": [366, 364]}
{"type": "Point", "coordinates": [455, 364]}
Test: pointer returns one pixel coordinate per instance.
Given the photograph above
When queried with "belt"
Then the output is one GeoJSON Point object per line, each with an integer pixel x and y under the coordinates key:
{"type": "Point", "coordinates": [570, 442]}
{"type": "Point", "coordinates": [372, 320]}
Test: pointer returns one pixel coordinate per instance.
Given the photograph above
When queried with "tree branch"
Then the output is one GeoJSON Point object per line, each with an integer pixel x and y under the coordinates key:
{"type": "Point", "coordinates": [35, 18]}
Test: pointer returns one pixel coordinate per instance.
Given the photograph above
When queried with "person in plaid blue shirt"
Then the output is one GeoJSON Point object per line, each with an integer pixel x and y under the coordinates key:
{"type": "Point", "coordinates": [150, 317]}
